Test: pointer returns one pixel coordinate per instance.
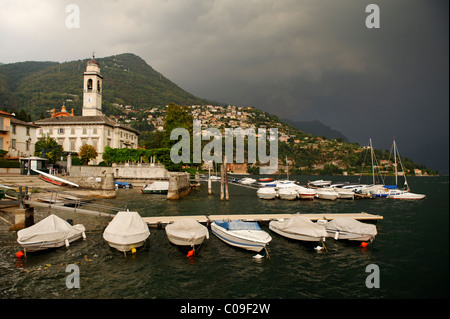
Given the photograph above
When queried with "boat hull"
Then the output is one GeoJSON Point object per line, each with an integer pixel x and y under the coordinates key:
{"type": "Point", "coordinates": [155, 191]}
{"type": "Point", "coordinates": [246, 239]}
{"type": "Point", "coordinates": [126, 247]}
{"type": "Point", "coordinates": [407, 196]}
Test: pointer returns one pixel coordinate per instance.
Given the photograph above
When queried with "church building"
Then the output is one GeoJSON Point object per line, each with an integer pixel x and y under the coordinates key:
{"type": "Point", "coordinates": [92, 127]}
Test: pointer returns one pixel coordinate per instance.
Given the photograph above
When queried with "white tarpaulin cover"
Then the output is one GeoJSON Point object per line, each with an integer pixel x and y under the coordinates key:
{"type": "Point", "coordinates": [51, 228]}
{"type": "Point", "coordinates": [187, 228]}
{"type": "Point", "coordinates": [351, 225]}
{"type": "Point", "coordinates": [126, 228]}
{"type": "Point", "coordinates": [300, 225]}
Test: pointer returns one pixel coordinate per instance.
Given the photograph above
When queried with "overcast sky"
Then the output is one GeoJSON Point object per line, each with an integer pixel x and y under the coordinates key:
{"type": "Point", "coordinates": [301, 60]}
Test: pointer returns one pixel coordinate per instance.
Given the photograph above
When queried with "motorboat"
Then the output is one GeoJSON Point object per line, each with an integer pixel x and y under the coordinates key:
{"type": "Point", "coordinates": [157, 187]}
{"type": "Point", "coordinates": [351, 229]}
{"type": "Point", "coordinates": [247, 181]}
{"type": "Point", "coordinates": [326, 193]}
{"type": "Point", "coordinates": [186, 232]}
{"type": "Point", "coordinates": [51, 232]}
{"type": "Point", "coordinates": [126, 231]}
{"type": "Point", "coordinates": [299, 228]}
{"type": "Point", "coordinates": [344, 193]}
{"type": "Point", "coordinates": [246, 235]}
{"type": "Point", "coordinates": [319, 183]}
{"type": "Point", "coordinates": [406, 195]}
{"type": "Point", "coordinates": [266, 193]}
{"type": "Point", "coordinates": [288, 193]}
{"type": "Point", "coordinates": [305, 193]}
{"type": "Point", "coordinates": [267, 179]}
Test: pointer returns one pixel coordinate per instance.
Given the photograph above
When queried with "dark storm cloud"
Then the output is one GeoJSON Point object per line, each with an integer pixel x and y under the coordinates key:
{"type": "Point", "coordinates": [303, 60]}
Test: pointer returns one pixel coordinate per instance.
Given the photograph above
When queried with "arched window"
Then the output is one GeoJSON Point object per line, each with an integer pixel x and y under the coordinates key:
{"type": "Point", "coordinates": [89, 85]}
{"type": "Point", "coordinates": [98, 86]}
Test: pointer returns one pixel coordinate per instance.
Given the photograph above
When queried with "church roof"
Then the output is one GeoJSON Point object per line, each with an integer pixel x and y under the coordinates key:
{"type": "Point", "coordinates": [83, 120]}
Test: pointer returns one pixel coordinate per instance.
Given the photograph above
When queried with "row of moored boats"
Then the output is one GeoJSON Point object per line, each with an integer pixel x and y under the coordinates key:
{"type": "Point", "coordinates": [321, 189]}
{"type": "Point", "coordinates": [128, 231]}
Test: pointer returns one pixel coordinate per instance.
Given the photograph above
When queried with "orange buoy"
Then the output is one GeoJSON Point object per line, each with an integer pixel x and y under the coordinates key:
{"type": "Point", "coordinates": [19, 254]}
{"type": "Point", "coordinates": [190, 253]}
{"type": "Point", "coordinates": [364, 244]}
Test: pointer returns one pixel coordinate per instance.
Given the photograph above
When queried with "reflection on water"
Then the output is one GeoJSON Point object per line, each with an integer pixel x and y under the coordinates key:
{"type": "Point", "coordinates": [405, 248]}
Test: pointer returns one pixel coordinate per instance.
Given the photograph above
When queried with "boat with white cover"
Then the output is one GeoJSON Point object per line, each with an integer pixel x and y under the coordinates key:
{"type": "Point", "coordinates": [267, 193]}
{"type": "Point", "coordinates": [351, 229]}
{"type": "Point", "coordinates": [326, 193]}
{"type": "Point", "coordinates": [186, 232]}
{"type": "Point", "coordinates": [51, 232]}
{"type": "Point", "coordinates": [287, 193]}
{"type": "Point", "coordinates": [246, 235]}
{"type": "Point", "coordinates": [126, 231]}
{"type": "Point", "coordinates": [299, 228]}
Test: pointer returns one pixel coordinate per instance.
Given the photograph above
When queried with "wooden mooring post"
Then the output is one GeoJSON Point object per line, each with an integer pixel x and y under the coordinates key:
{"type": "Point", "coordinates": [24, 215]}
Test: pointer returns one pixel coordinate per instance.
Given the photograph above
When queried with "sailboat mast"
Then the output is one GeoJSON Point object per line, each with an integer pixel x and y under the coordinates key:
{"type": "Point", "coordinates": [371, 155]}
{"type": "Point", "coordinates": [395, 163]}
{"type": "Point", "coordinates": [287, 169]}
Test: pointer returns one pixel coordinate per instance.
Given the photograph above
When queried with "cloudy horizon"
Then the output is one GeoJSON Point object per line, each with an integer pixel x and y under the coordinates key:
{"type": "Point", "coordinates": [301, 60]}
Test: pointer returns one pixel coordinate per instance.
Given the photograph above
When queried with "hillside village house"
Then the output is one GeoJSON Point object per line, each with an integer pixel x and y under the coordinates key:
{"type": "Point", "coordinates": [92, 127]}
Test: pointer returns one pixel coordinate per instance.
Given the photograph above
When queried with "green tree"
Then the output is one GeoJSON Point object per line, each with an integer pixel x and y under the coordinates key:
{"type": "Point", "coordinates": [49, 148]}
{"type": "Point", "coordinates": [176, 116]}
{"type": "Point", "coordinates": [86, 153]}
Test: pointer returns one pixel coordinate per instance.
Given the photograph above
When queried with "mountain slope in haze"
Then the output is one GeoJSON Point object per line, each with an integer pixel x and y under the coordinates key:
{"type": "Point", "coordinates": [127, 80]}
{"type": "Point", "coordinates": [317, 128]}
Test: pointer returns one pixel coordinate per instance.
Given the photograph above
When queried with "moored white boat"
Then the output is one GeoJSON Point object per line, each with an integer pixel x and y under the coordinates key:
{"type": "Point", "coordinates": [305, 193]}
{"type": "Point", "coordinates": [319, 183]}
{"type": "Point", "coordinates": [157, 187]}
{"type": "Point", "coordinates": [51, 232]}
{"type": "Point", "coordinates": [246, 235]}
{"type": "Point", "coordinates": [186, 232]}
{"type": "Point", "coordinates": [351, 229]}
{"type": "Point", "coordinates": [126, 231]}
{"type": "Point", "coordinates": [407, 195]}
{"type": "Point", "coordinates": [344, 193]}
{"type": "Point", "coordinates": [287, 193]}
{"type": "Point", "coordinates": [326, 193]}
{"type": "Point", "coordinates": [247, 181]}
{"type": "Point", "coordinates": [266, 193]}
{"type": "Point", "coordinates": [299, 228]}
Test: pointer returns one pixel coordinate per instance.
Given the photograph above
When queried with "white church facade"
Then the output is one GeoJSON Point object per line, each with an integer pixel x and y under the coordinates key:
{"type": "Point", "coordinates": [92, 127]}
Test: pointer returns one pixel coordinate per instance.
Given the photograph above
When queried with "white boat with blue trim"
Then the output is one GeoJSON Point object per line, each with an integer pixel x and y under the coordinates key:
{"type": "Point", "coordinates": [246, 235]}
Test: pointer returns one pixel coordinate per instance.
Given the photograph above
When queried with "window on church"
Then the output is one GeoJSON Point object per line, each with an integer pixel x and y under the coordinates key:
{"type": "Point", "coordinates": [89, 85]}
{"type": "Point", "coordinates": [98, 86]}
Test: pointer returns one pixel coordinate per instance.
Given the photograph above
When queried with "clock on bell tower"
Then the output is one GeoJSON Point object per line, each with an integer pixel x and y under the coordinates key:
{"type": "Point", "coordinates": [92, 89]}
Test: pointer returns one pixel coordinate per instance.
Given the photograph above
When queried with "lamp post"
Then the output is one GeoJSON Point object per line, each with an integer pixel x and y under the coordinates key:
{"type": "Point", "coordinates": [29, 154]}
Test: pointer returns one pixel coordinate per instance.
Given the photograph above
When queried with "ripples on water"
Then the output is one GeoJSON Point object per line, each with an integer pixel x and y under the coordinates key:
{"type": "Point", "coordinates": [411, 250]}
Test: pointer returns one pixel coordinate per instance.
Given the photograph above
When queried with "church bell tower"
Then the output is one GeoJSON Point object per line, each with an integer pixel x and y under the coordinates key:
{"type": "Point", "coordinates": [92, 89]}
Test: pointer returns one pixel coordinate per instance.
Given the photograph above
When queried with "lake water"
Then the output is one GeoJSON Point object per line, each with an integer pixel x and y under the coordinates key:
{"type": "Point", "coordinates": [411, 251]}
